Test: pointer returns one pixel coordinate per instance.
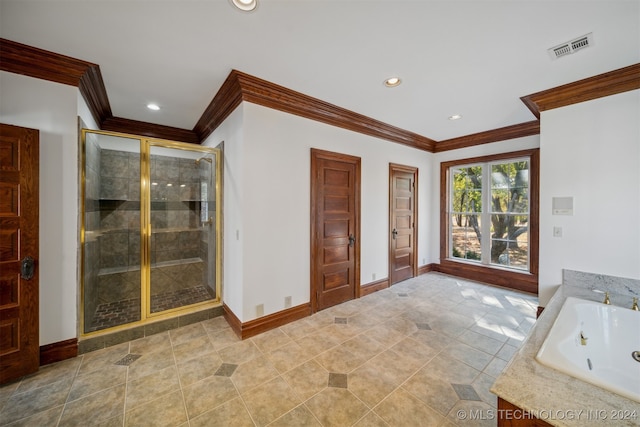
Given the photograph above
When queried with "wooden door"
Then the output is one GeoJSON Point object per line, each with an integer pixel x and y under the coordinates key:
{"type": "Point", "coordinates": [19, 160]}
{"type": "Point", "coordinates": [402, 223]}
{"type": "Point", "coordinates": [335, 228]}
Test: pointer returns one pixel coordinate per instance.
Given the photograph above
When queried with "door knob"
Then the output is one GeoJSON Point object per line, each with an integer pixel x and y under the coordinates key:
{"type": "Point", "coordinates": [352, 240]}
{"type": "Point", "coordinates": [394, 233]}
{"type": "Point", "coordinates": [27, 268]}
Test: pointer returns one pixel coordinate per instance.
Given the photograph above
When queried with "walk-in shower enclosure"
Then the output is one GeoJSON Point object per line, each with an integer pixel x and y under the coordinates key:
{"type": "Point", "coordinates": [150, 232]}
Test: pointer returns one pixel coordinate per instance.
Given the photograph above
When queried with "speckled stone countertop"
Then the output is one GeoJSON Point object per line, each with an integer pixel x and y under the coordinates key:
{"type": "Point", "coordinates": [555, 397]}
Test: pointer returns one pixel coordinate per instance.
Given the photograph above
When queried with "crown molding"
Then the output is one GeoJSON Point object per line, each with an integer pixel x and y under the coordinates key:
{"type": "Point", "coordinates": [606, 84]}
{"type": "Point", "coordinates": [495, 135]}
{"type": "Point", "coordinates": [240, 87]}
{"type": "Point", "coordinates": [152, 130]}
{"type": "Point", "coordinates": [30, 61]}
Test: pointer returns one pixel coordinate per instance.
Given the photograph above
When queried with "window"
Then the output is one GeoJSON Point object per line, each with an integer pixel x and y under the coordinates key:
{"type": "Point", "coordinates": [489, 229]}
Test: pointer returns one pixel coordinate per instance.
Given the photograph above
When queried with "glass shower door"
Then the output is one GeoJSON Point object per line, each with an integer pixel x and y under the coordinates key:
{"type": "Point", "coordinates": [182, 237]}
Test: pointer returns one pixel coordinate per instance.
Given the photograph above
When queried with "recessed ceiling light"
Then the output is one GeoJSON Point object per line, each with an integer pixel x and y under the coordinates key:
{"type": "Point", "coordinates": [245, 5]}
{"type": "Point", "coordinates": [455, 117]}
{"type": "Point", "coordinates": [392, 82]}
{"type": "Point", "coordinates": [153, 107]}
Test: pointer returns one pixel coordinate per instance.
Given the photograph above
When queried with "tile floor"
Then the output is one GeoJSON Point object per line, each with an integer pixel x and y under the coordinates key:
{"type": "Point", "coordinates": [411, 355]}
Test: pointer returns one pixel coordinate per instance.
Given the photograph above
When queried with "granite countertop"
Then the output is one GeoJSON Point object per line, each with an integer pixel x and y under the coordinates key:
{"type": "Point", "coordinates": [557, 398]}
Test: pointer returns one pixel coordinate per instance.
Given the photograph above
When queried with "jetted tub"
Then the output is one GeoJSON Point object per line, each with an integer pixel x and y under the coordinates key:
{"type": "Point", "coordinates": [596, 343]}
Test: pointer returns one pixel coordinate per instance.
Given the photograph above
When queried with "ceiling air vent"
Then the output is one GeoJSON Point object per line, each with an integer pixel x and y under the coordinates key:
{"type": "Point", "coordinates": [570, 47]}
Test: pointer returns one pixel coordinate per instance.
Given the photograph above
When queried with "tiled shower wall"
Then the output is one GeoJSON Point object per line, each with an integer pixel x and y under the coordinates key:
{"type": "Point", "coordinates": [179, 245]}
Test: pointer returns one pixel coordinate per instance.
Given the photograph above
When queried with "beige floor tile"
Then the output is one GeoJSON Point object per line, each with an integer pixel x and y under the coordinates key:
{"type": "Point", "coordinates": [253, 373]}
{"type": "Point", "coordinates": [49, 417]}
{"type": "Point", "coordinates": [436, 392]}
{"type": "Point", "coordinates": [401, 325]}
{"type": "Point", "coordinates": [482, 385]}
{"type": "Point", "coordinates": [401, 409]}
{"type": "Point", "coordinates": [216, 324]}
{"type": "Point", "coordinates": [104, 358]}
{"type": "Point", "coordinates": [22, 405]}
{"type": "Point", "coordinates": [385, 335]}
{"type": "Point", "coordinates": [96, 381]}
{"type": "Point", "coordinates": [475, 358]}
{"type": "Point", "coordinates": [270, 401]}
{"type": "Point", "coordinates": [230, 414]}
{"type": "Point", "coordinates": [288, 356]}
{"type": "Point", "coordinates": [199, 368]}
{"type": "Point", "coordinates": [495, 367]}
{"type": "Point", "coordinates": [50, 374]}
{"type": "Point", "coordinates": [271, 340]}
{"type": "Point", "coordinates": [451, 370]}
{"type": "Point", "coordinates": [366, 319]}
{"type": "Point", "coordinates": [151, 344]}
{"type": "Point", "coordinates": [186, 333]}
{"type": "Point", "coordinates": [307, 379]}
{"type": "Point", "coordinates": [339, 360]}
{"type": "Point", "coordinates": [363, 347]}
{"type": "Point", "coordinates": [431, 338]}
{"type": "Point", "coordinates": [507, 352]}
{"type": "Point", "coordinates": [298, 416]}
{"type": "Point", "coordinates": [167, 410]}
{"type": "Point", "coordinates": [223, 338]}
{"type": "Point", "coordinates": [151, 387]}
{"type": "Point", "coordinates": [417, 352]}
{"type": "Point", "coordinates": [150, 363]}
{"type": "Point", "coordinates": [6, 390]}
{"type": "Point", "coordinates": [317, 342]}
{"type": "Point", "coordinates": [193, 349]}
{"type": "Point", "coordinates": [480, 342]}
{"type": "Point", "coordinates": [97, 407]}
{"type": "Point", "coordinates": [299, 329]}
{"type": "Point", "coordinates": [341, 332]}
{"type": "Point", "coordinates": [336, 407]}
{"type": "Point", "coordinates": [371, 420]}
{"type": "Point", "coordinates": [240, 352]}
{"type": "Point", "coordinates": [207, 394]}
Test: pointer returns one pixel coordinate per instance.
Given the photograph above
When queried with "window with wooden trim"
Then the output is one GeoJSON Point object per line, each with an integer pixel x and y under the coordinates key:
{"type": "Point", "coordinates": [489, 219]}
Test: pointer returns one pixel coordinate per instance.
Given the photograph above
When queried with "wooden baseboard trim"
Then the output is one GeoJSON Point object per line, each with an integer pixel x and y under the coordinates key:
{"type": "Point", "coordinates": [539, 312]}
{"type": "Point", "coordinates": [505, 279]}
{"type": "Point", "coordinates": [372, 287]}
{"type": "Point", "coordinates": [424, 269]}
{"type": "Point", "coordinates": [58, 351]}
{"type": "Point", "coordinates": [265, 323]}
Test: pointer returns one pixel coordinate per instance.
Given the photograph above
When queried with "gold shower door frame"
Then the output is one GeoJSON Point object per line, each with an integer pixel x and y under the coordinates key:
{"type": "Point", "coordinates": [145, 231]}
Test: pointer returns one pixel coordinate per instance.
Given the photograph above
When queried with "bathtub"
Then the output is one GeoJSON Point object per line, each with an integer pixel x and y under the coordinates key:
{"type": "Point", "coordinates": [595, 343]}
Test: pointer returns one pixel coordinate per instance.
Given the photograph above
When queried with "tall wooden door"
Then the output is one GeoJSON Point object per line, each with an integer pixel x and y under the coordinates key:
{"type": "Point", "coordinates": [19, 160]}
{"type": "Point", "coordinates": [335, 228]}
{"type": "Point", "coordinates": [402, 223]}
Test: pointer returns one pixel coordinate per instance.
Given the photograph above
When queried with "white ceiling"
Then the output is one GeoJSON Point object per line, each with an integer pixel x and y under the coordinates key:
{"type": "Point", "coordinates": [474, 58]}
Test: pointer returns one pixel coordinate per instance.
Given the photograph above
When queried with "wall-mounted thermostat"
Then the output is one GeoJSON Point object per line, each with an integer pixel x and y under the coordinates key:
{"type": "Point", "coordinates": [562, 205]}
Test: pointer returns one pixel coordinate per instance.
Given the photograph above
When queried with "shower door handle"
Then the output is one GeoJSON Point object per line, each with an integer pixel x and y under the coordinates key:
{"type": "Point", "coordinates": [27, 268]}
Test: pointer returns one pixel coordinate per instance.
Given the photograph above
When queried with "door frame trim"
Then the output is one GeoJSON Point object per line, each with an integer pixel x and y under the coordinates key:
{"type": "Point", "coordinates": [412, 170]}
{"type": "Point", "coordinates": [317, 154]}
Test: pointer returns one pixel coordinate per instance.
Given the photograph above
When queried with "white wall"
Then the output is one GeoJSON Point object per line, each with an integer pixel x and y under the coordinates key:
{"type": "Point", "coordinates": [231, 132]}
{"type": "Point", "coordinates": [591, 152]}
{"type": "Point", "coordinates": [516, 144]}
{"type": "Point", "coordinates": [268, 175]}
{"type": "Point", "coordinates": [51, 108]}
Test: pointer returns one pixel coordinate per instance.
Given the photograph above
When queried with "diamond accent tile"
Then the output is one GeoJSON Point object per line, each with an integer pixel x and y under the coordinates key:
{"type": "Point", "coordinates": [340, 320]}
{"type": "Point", "coordinates": [128, 359]}
{"type": "Point", "coordinates": [423, 326]}
{"type": "Point", "coordinates": [337, 380]}
{"type": "Point", "coordinates": [466, 392]}
{"type": "Point", "coordinates": [226, 370]}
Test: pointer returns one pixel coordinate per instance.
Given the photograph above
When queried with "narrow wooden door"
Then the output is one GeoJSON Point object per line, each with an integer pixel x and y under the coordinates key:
{"type": "Point", "coordinates": [19, 160]}
{"type": "Point", "coordinates": [402, 223]}
{"type": "Point", "coordinates": [335, 228]}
